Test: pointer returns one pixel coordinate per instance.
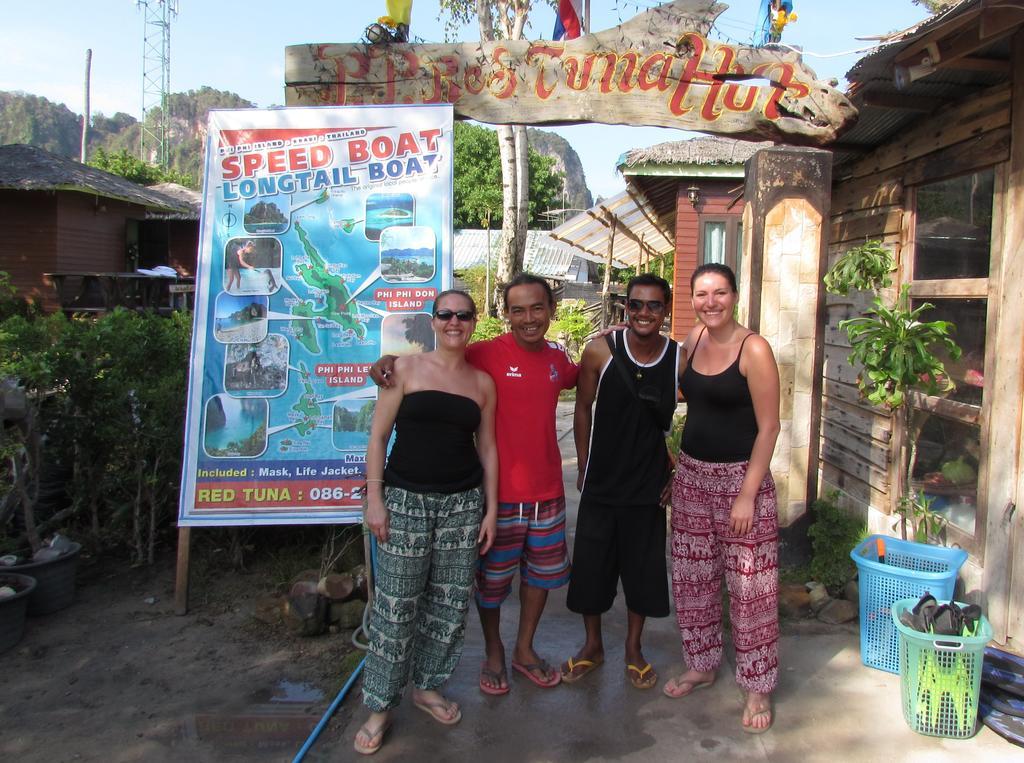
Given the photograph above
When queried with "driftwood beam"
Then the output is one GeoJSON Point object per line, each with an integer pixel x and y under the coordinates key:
{"type": "Point", "coordinates": [659, 68]}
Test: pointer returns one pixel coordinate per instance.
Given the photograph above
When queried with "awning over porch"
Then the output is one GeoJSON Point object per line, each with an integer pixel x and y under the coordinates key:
{"type": "Point", "coordinates": [543, 257]}
{"type": "Point", "coordinates": [638, 234]}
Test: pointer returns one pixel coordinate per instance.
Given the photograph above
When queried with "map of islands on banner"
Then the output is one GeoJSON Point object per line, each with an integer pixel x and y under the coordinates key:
{"type": "Point", "coordinates": [326, 236]}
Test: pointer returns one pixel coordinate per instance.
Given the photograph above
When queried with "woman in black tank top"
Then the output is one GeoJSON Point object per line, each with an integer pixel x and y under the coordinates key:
{"type": "Point", "coordinates": [431, 510]}
{"type": "Point", "coordinates": [723, 500]}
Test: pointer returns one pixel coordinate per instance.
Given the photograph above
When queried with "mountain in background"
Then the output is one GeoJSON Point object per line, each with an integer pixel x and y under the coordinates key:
{"type": "Point", "coordinates": [567, 161]}
{"type": "Point", "coordinates": [31, 119]}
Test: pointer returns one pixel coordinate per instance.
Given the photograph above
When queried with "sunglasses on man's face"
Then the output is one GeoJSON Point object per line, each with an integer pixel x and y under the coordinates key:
{"type": "Point", "coordinates": [446, 315]}
{"type": "Point", "coordinates": [653, 305]}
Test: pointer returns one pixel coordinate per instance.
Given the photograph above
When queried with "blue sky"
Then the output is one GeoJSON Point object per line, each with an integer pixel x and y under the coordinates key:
{"type": "Point", "coordinates": [238, 45]}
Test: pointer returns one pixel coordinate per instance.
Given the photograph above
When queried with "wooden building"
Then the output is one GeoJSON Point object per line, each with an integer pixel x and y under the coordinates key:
{"type": "Point", "coordinates": [934, 169]}
{"type": "Point", "coordinates": [57, 215]}
{"type": "Point", "coordinates": [695, 188]}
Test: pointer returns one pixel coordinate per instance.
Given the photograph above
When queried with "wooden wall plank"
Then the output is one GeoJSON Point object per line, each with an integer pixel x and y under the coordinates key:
{"type": "Point", "coordinates": [834, 453]}
{"type": "Point", "coordinates": [862, 492]}
{"type": "Point", "coordinates": [859, 420]}
{"type": "Point", "coordinates": [868, 450]}
{"type": "Point", "coordinates": [988, 111]}
{"type": "Point", "coordinates": [1004, 537]}
{"type": "Point", "coordinates": [864, 224]}
{"type": "Point", "coordinates": [991, 147]}
{"type": "Point", "coordinates": [868, 193]}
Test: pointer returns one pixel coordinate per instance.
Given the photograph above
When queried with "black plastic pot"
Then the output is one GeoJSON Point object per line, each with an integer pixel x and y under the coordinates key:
{"type": "Point", "coordinates": [55, 581]}
{"type": "Point", "coordinates": [13, 609]}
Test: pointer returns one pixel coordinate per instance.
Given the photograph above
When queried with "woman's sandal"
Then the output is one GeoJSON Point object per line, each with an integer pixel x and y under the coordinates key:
{"type": "Point", "coordinates": [750, 715]}
{"type": "Point", "coordinates": [679, 681]}
{"type": "Point", "coordinates": [438, 709]}
{"type": "Point", "coordinates": [376, 739]}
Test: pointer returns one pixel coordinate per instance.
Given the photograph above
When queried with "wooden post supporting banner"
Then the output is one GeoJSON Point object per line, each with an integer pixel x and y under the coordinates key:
{"type": "Point", "coordinates": [181, 573]}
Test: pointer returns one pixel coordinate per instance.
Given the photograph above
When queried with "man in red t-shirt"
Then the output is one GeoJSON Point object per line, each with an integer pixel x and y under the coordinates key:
{"type": "Point", "coordinates": [529, 372]}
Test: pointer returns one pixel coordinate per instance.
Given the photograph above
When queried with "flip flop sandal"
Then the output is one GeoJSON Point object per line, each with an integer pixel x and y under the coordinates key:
{"type": "Point", "coordinates": [495, 677]}
{"type": "Point", "coordinates": [920, 617]}
{"type": "Point", "coordinates": [577, 669]}
{"type": "Point", "coordinates": [641, 678]}
{"type": "Point", "coordinates": [948, 620]}
{"type": "Point", "coordinates": [432, 708]}
{"type": "Point", "coordinates": [527, 668]}
{"type": "Point", "coordinates": [755, 729]}
{"type": "Point", "coordinates": [972, 616]}
{"type": "Point", "coordinates": [378, 735]}
{"type": "Point", "coordinates": [694, 686]}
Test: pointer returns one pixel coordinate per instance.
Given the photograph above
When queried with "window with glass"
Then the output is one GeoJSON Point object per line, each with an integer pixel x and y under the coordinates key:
{"type": "Point", "coordinates": [721, 240]}
{"type": "Point", "coordinates": [949, 270]}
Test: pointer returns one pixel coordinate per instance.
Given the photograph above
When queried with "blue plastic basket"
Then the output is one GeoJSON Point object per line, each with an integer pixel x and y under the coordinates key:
{"type": "Point", "coordinates": [940, 677]}
{"type": "Point", "coordinates": [908, 571]}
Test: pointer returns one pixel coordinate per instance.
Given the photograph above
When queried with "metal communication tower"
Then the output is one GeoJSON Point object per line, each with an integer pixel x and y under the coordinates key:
{"type": "Point", "coordinates": [156, 78]}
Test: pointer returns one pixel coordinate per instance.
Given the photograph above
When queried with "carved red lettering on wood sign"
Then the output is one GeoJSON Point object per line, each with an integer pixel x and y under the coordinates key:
{"type": "Point", "coordinates": [659, 69]}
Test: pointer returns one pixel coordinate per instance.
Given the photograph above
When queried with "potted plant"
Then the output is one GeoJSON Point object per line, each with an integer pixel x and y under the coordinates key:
{"type": "Point", "coordinates": [14, 595]}
{"type": "Point", "coordinates": [25, 367]}
{"type": "Point", "coordinates": [896, 351]}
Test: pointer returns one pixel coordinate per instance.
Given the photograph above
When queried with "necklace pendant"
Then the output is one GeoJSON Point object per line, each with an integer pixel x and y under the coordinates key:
{"type": "Point", "coordinates": [639, 375]}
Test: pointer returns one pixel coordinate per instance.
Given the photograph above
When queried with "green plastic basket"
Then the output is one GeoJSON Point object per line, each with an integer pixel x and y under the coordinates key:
{"type": "Point", "coordinates": [940, 677]}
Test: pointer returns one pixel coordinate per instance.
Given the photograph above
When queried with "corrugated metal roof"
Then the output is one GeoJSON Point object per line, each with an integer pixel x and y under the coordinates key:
{"type": "Point", "coordinates": [891, 97]}
{"type": "Point", "coordinates": [544, 256]}
{"type": "Point", "coordinates": [637, 231]}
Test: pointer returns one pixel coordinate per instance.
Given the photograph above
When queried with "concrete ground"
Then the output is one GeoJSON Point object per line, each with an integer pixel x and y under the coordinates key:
{"type": "Point", "coordinates": [828, 706]}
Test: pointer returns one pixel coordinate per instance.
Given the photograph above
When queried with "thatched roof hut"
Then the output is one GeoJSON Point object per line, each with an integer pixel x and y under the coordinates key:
{"type": "Point", "coordinates": [705, 150]}
{"type": "Point", "coordinates": [28, 168]}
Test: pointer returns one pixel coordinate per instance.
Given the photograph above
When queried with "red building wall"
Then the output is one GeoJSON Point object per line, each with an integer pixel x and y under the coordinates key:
{"type": "Point", "coordinates": [91, 232]}
{"type": "Point", "coordinates": [717, 198]}
{"type": "Point", "coordinates": [28, 242]}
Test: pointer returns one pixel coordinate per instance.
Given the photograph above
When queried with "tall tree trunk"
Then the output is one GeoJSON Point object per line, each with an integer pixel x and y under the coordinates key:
{"type": "Point", "coordinates": [522, 191]}
{"type": "Point", "coordinates": [510, 256]}
{"type": "Point", "coordinates": [512, 148]}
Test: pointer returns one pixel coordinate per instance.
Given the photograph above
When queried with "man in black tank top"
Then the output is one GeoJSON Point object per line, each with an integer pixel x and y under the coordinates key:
{"type": "Point", "coordinates": [624, 468]}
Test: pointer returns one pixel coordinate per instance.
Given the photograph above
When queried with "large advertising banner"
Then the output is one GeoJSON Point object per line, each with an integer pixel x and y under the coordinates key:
{"type": "Point", "coordinates": [326, 236]}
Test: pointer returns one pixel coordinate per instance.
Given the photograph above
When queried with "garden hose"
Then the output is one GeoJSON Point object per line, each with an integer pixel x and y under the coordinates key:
{"type": "Point", "coordinates": [363, 628]}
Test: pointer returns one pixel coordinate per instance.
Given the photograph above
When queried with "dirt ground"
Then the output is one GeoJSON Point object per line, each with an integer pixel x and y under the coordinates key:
{"type": "Point", "coordinates": [119, 677]}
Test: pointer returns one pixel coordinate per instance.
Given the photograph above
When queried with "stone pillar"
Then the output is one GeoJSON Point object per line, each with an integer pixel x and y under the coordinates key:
{"type": "Point", "coordinates": [788, 193]}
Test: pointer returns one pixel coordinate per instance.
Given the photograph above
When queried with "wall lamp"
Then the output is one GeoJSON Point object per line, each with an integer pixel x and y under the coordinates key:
{"type": "Point", "coordinates": [693, 194]}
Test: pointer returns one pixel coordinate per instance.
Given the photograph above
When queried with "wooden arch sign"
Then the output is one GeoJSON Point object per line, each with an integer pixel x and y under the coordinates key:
{"type": "Point", "coordinates": [659, 68]}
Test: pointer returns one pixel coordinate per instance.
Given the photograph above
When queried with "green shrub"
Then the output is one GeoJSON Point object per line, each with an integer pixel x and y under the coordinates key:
{"type": "Point", "coordinates": [675, 434]}
{"type": "Point", "coordinates": [107, 397]}
{"type": "Point", "coordinates": [571, 326]}
{"type": "Point", "coordinates": [488, 328]}
{"type": "Point", "coordinates": [834, 535]}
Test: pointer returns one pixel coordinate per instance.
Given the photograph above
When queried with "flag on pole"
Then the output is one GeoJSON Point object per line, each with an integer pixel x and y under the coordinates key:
{"type": "Point", "coordinates": [568, 21]}
{"type": "Point", "coordinates": [400, 10]}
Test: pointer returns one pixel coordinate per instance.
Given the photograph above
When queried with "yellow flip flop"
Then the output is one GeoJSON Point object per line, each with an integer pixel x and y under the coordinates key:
{"type": "Point", "coordinates": [571, 676]}
{"type": "Point", "coordinates": [641, 678]}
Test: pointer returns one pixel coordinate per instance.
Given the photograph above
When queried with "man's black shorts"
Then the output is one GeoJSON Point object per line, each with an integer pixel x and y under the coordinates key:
{"type": "Point", "coordinates": [613, 542]}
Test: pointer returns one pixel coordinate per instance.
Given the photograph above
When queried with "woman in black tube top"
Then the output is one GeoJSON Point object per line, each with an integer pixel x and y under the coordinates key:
{"type": "Point", "coordinates": [723, 500]}
{"type": "Point", "coordinates": [432, 508]}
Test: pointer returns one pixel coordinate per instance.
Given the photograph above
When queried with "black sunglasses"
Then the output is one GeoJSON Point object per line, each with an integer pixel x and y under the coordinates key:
{"type": "Point", "coordinates": [447, 315]}
{"type": "Point", "coordinates": [653, 305]}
